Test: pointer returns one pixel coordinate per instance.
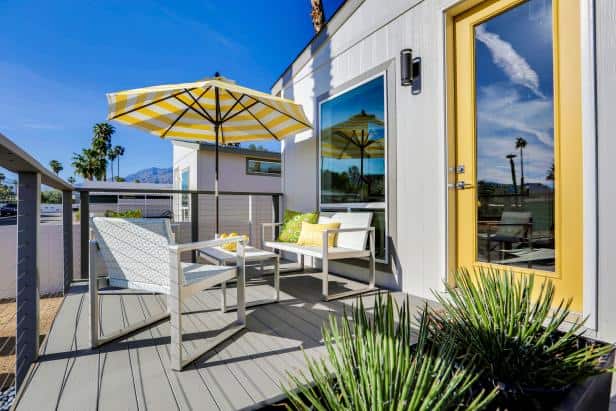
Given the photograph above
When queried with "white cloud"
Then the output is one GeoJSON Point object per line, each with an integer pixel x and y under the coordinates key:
{"type": "Point", "coordinates": [501, 109]}
{"type": "Point", "coordinates": [507, 58]}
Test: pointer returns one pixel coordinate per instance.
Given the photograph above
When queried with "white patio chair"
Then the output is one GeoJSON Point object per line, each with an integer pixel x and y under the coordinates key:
{"type": "Point", "coordinates": [141, 254]}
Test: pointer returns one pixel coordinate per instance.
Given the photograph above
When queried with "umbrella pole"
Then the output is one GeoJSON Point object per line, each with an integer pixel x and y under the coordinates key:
{"type": "Point", "coordinates": [216, 181]}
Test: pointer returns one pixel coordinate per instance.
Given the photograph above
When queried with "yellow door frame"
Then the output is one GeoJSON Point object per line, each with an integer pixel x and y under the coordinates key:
{"type": "Point", "coordinates": [568, 184]}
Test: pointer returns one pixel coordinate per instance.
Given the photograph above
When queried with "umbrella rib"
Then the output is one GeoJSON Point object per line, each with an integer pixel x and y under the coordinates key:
{"type": "Point", "coordinates": [255, 117]}
{"type": "Point", "coordinates": [281, 112]}
{"type": "Point", "coordinates": [196, 100]}
{"type": "Point", "coordinates": [181, 115]}
{"type": "Point", "coordinates": [190, 106]}
{"type": "Point", "coordinates": [241, 111]}
{"type": "Point", "coordinates": [175, 95]}
{"type": "Point", "coordinates": [224, 117]}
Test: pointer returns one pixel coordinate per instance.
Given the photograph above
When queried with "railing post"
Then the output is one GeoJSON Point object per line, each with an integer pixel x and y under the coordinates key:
{"type": "Point", "coordinates": [276, 212]}
{"type": "Point", "coordinates": [28, 219]}
{"type": "Point", "coordinates": [84, 220]}
{"type": "Point", "coordinates": [67, 230]}
{"type": "Point", "coordinates": [194, 221]}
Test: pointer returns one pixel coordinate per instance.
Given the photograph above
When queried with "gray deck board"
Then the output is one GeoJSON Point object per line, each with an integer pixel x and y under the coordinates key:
{"type": "Point", "coordinates": [133, 373]}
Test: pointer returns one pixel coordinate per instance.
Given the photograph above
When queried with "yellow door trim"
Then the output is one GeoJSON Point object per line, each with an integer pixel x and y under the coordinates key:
{"type": "Point", "coordinates": [568, 189]}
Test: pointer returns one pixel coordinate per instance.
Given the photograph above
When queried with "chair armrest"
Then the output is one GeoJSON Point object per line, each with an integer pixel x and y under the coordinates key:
{"type": "Point", "coordinates": [263, 225]}
{"type": "Point", "coordinates": [206, 244]}
{"type": "Point", "coordinates": [270, 224]}
{"type": "Point", "coordinates": [349, 230]}
{"type": "Point", "coordinates": [327, 232]}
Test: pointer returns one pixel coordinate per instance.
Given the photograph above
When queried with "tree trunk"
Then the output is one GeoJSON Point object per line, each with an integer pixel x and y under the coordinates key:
{"type": "Point", "coordinates": [318, 17]}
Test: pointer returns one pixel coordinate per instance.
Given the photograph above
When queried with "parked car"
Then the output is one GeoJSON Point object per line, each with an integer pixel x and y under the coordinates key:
{"type": "Point", "coordinates": [8, 210]}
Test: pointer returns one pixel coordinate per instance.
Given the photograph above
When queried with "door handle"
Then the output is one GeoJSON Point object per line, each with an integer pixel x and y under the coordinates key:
{"type": "Point", "coordinates": [460, 185]}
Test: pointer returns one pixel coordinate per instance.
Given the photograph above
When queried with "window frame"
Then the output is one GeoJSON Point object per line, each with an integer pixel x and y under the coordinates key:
{"type": "Point", "coordinates": [384, 205]}
{"type": "Point", "coordinates": [268, 160]}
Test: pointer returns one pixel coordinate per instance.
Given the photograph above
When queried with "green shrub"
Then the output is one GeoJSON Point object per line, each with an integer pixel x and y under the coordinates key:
{"type": "Point", "coordinates": [373, 365]}
{"type": "Point", "coordinates": [136, 213]}
{"type": "Point", "coordinates": [519, 338]}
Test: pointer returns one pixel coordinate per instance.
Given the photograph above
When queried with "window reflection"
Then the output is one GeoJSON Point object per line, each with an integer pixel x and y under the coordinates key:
{"type": "Point", "coordinates": [353, 146]}
{"type": "Point", "coordinates": [515, 137]}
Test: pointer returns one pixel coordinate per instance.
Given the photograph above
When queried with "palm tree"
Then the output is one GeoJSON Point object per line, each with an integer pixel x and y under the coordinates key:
{"type": "Point", "coordinates": [89, 164]}
{"type": "Point", "coordinates": [101, 142]}
{"type": "Point", "coordinates": [112, 155]}
{"type": "Point", "coordinates": [520, 143]}
{"type": "Point", "coordinates": [550, 174]}
{"type": "Point", "coordinates": [512, 164]}
{"type": "Point", "coordinates": [119, 152]}
{"type": "Point", "coordinates": [318, 17]}
{"type": "Point", "coordinates": [56, 166]}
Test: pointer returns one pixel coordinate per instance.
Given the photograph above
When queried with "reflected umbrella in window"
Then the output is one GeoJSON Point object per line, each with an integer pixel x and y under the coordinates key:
{"type": "Point", "coordinates": [359, 137]}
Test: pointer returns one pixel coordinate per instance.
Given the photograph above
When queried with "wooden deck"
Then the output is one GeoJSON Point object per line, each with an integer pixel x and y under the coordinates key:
{"type": "Point", "coordinates": [134, 374]}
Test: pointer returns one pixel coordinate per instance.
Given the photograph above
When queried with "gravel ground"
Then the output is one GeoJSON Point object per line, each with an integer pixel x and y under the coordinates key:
{"type": "Point", "coordinates": [6, 399]}
{"type": "Point", "coordinates": [49, 307]}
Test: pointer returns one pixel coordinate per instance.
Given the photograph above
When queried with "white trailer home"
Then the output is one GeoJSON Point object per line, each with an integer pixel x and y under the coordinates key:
{"type": "Point", "coordinates": [242, 170]}
{"type": "Point", "coordinates": [480, 133]}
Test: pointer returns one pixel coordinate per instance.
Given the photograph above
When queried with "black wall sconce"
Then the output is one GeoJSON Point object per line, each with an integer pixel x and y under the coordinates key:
{"type": "Point", "coordinates": [410, 70]}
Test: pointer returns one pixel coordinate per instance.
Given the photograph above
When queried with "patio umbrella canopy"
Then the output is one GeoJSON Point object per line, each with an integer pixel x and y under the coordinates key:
{"type": "Point", "coordinates": [353, 138]}
{"type": "Point", "coordinates": [214, 110]}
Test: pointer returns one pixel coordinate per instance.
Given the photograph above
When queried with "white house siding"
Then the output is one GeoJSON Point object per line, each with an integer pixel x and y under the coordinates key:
{"type": "Point", "coordinates": [606, 139]}
{"type": "Point", "coordinates": [373, 35]}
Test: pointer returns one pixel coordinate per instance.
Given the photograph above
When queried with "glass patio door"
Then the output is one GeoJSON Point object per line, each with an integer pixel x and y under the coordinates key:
{"type": "Point", "coordinates": [518, 173]}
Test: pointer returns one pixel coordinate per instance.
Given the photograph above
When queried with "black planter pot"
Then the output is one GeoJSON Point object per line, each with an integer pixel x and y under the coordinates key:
{"type": "Point", "coordinates": [592, 394]}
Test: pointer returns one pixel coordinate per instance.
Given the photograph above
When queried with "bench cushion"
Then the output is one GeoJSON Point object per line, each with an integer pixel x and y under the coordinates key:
{"type": "Point", "coordinates": [354, 240]}
{"type": "Point", "coordinates": [333, 253]}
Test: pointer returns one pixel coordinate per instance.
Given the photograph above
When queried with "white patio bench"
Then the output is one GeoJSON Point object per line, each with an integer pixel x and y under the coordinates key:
{"type": "Point", "coordinates": [352, 238]}
{"type": "Point", "coordinates": [141, 254]}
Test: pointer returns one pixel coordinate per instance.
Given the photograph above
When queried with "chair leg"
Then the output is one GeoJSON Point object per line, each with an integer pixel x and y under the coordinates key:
{"type": "Point", "coordinates": [175, 313]}
{"type": "Point", "coordinates": [325, 290]}
{"type": "Point", "coordinates": [372, 262]}
{"type": "Point", "coordinates": [241, 294]}
{"type": "Point", "coordinates": [93, 296]}
{"type": "Point", "coordinates": [174, 306]}
{"type": "Point", "coordinates": [223, 304]}
{"type": "Point", "coordinates": [277, 278]}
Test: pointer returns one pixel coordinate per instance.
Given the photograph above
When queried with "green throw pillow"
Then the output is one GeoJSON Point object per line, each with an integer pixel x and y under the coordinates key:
{"type": "Point", "coordinates": [292, 224]}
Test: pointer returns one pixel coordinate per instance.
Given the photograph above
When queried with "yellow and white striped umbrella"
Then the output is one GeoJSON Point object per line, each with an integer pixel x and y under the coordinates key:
{"type": "Point", "coordinates": [215, 110]}
{"type": "Point", "coordinates": [208, 110]}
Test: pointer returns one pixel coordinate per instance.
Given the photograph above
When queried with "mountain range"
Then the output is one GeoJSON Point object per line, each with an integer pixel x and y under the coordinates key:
{"type": "Point", "coordinates": [152, 175]}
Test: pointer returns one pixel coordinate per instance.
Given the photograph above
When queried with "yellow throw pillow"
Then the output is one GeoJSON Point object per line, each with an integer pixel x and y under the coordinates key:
{"type": "Point", "coordinates": [232, 246]}
{"type": "Point", "coordinates": [311, 235]}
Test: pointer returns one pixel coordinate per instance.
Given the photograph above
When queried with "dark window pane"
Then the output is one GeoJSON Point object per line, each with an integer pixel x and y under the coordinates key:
{"type": "Point", "coordinates": [256, 166]}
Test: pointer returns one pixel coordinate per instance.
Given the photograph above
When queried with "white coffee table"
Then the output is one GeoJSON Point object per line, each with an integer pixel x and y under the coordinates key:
{"type": "Point", "coordinates": [220, 256]}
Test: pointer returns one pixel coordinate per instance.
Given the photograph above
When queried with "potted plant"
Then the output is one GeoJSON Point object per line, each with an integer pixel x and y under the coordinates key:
{"type": "Point", "coordinates": [373, 363]}
{"type": "Point", "coordinates": [523, 343]}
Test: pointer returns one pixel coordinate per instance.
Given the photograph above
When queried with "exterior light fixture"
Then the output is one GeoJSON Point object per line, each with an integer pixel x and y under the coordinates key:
{"type": "Point", "coordinates": [406, 67]}
{"type": "Point", "coordinates": [410, 71]}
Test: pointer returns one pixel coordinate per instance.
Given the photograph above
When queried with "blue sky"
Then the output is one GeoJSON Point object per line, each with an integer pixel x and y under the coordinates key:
{"type": "Point", "coordinates": [59, 58]}
{"type": "Point", "coordinates": [514, 83]}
